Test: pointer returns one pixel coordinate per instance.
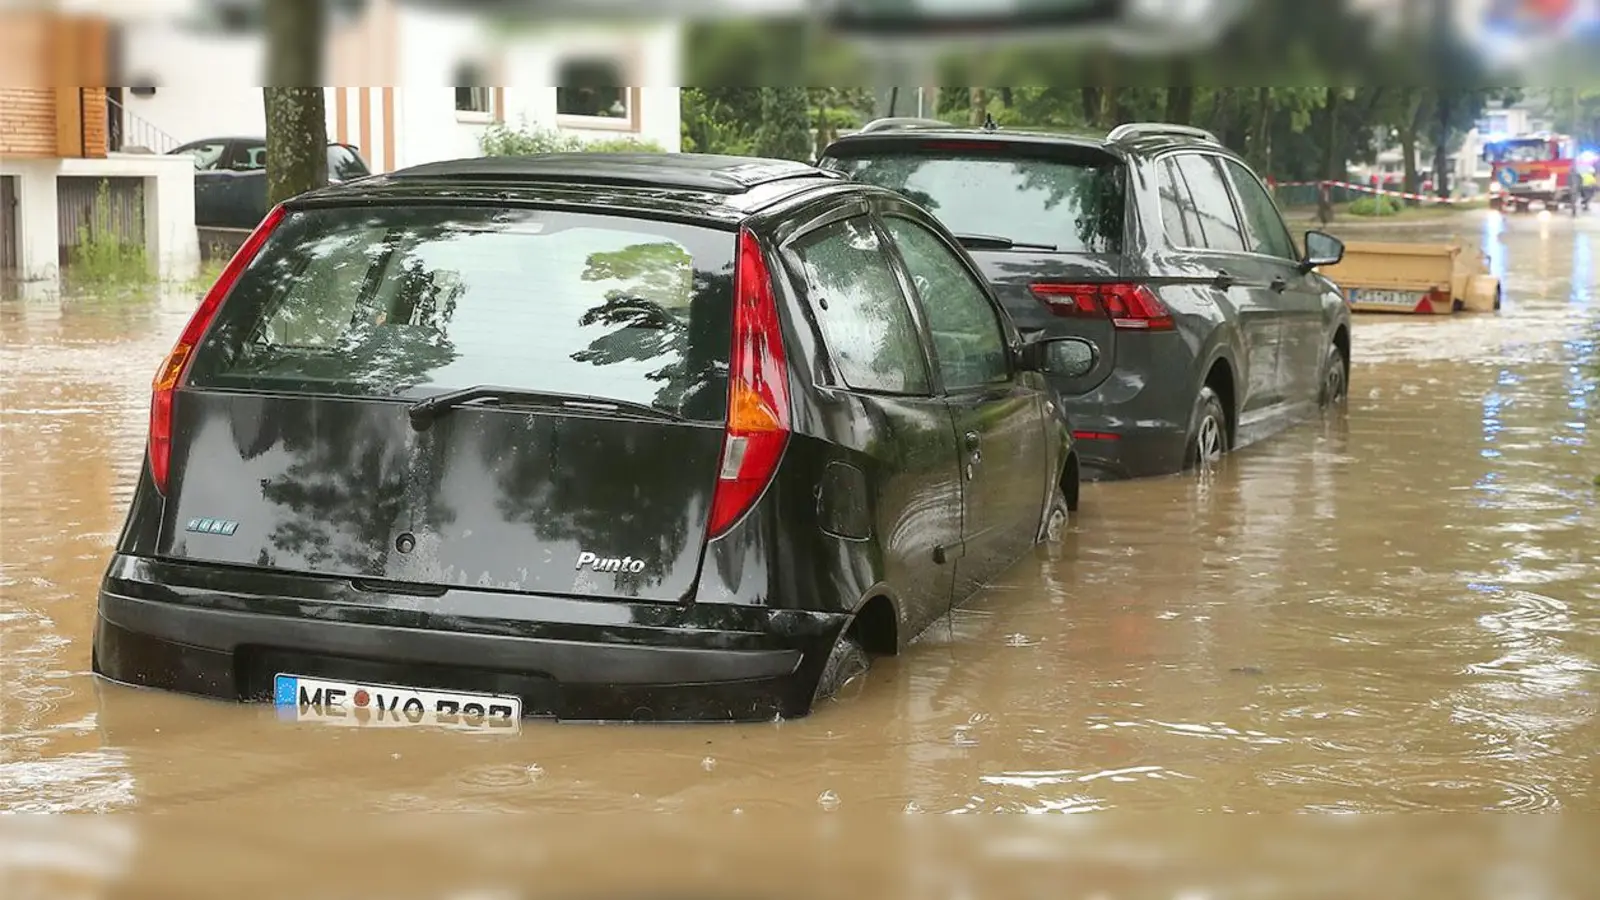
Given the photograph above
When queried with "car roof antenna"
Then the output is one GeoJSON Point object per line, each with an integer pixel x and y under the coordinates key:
{"type": "Point", "coordinates": [988, 122]}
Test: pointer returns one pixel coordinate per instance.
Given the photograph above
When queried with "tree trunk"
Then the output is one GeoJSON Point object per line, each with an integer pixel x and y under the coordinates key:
{"type": "Point", "coordinates": [1180, 97]}
{"type": "Point", "coordinates": [1090, 97]}
{"type": "Point", "coordinates": [1441, 150]}
{"type": "Point", "coordinates": [1180, 105]}
{"type": "Point", "coordinates": [1260, 149]}
{"type": "Point", "coordinates": [1410, 111]}
{"type": "Point", "coordinates": [294, 99]}
{"type": "Point", "coordinates": [980, 106]}
{"type": "Point", "coordinates": [1330, 157]}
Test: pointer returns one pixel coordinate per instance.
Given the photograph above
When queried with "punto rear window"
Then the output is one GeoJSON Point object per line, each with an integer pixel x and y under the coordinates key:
{"type": "Point", "coordinates": [405, 302]}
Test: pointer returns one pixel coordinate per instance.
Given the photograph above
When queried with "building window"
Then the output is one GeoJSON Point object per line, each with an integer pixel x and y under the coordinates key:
{"type": "Point", "coordinates": [591, 89]}
{"type": "Point", "coordinates": [475, 99]}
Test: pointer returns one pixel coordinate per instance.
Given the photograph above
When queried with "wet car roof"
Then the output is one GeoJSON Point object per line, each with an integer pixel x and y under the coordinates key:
{"type": "Point", "coordinates": [694, 185]}
{"type": "Point", "coordinates": [1151, 139]}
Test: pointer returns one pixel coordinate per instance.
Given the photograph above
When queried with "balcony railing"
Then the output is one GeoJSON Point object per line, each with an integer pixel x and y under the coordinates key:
{"type": "Point", "coordinates": [127, 132]}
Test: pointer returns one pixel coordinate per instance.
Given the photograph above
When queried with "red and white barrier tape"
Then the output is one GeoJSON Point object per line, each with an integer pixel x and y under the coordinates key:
{"type": "Point", "coordinates": [1368, 189]}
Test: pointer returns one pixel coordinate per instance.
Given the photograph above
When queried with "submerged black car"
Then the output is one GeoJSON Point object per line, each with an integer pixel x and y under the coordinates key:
{"type": "Point", "coordinates": [1156, 244]}
{"type": "Point", "coordinates": [584, 436]}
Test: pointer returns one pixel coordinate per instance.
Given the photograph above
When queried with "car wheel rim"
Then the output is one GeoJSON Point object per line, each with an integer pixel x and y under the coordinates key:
{"type": "Point", "coordinates": [1208, 442]}
{"type": "Point", "coordinates": [1058, 521]}
{"type": "Point", "coordinates": [1335, 386]}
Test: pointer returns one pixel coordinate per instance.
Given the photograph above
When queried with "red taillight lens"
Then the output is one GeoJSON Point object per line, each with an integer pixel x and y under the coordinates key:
{"type": "Point", "coordinates": [173, 368]}
{"type": "Point", "coordinates": [758, 392]}
{"type": "Point", "coordinates": [1131, 307]}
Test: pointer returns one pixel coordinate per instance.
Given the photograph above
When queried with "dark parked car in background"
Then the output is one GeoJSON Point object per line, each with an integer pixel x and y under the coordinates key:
{"type": "Point", "coordinates": [230, 179]}
{"type": "Point", "coordinates": [585, 435]}
{"type": "Point", "coordinates": [1158, 245]}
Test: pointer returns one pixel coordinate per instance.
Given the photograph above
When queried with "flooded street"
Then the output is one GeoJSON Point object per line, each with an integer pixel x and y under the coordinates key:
{"type": "Point", "coordinates": [1398, 609]}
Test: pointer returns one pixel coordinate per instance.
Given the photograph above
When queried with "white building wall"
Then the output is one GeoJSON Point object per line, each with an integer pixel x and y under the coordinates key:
{"type": "Point", "coordinates": [172, 243]}
{"type": "Point", "coordinates": [208, 85]}
{"type": "Point", "coordinates": [37, 222]}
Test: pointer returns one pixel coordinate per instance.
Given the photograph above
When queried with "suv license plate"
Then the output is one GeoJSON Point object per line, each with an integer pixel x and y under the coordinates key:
{"type": "Point", "coordinates": [1400, 299]}
{"type": "Point", "coordinates": [301, 699]}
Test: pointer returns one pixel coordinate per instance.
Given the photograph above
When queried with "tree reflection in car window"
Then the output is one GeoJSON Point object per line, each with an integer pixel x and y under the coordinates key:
{"type": "Point", "coordinates": [1263, 225]}
{"type": "Point", "coordinates": [1213, 203]}
{"type": "Point", "coordinates": [969, 344]}
{"type": "Point", "coordinates": [1076, 207]}
{"type": "Point", "coordinates": [383, 302]}
{"type": "Point", "coordinates": [863, 314]}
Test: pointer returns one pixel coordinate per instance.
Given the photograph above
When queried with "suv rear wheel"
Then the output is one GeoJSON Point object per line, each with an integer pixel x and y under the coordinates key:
{"type": "Point", "coordinates": [1334, 388]}
{"type": "Point", "coordinates": [1208, 435]}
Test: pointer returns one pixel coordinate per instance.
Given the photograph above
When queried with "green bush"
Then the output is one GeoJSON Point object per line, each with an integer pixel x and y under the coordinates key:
{"type": "Point", "coordinates": [526, 140]}
{"type": "Point", "coordinates": [101, 257]}
{"type": "Point", "coordinates": [1375, 206]}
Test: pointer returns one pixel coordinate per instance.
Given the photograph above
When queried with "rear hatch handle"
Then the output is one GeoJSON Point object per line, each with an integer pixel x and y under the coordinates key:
{"type": "Point", "coordinates": [1223, 280]}
{"type": "Point", "coordinates": [423, 412]}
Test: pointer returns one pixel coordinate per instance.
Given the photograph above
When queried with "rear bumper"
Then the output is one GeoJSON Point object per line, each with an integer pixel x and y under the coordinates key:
{"type": "Point", "coordinates": [160, 626]}
{"type": "Point", "coordinates": [1128, 429]}
{"type": "Point", "coordinates": [1134, 453]}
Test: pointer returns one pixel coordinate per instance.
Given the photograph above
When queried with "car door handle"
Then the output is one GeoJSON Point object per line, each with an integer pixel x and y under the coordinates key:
{"type": "Point", "coordinates": [1224, 280]}
{"type": "Point", "coordinates": [1280, 284]}
{"type": "Point", "coordinates": [974, 442]}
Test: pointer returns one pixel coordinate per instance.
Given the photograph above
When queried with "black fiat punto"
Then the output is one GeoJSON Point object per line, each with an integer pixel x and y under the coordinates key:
{"type": "Point", "coordinates": [584, 436]}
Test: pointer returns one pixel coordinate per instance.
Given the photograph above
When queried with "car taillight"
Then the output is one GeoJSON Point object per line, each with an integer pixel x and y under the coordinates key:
{"type": "Point", "coordinates": [758, 392]}
{"type": "Point", "coordinates": [174, 367]}
{"type": "Point", "coordinates": [1132, 307]}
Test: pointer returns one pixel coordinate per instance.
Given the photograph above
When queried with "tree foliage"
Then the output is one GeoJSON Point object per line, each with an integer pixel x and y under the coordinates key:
{"type": "Point", "coordinates": [1343, 85]}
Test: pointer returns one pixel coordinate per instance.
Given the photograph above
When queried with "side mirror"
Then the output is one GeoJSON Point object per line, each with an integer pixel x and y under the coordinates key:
{"type": "Point", "coordinates": [1322, 249]}
{"type": "Point", "coordinates": [1061, 357]}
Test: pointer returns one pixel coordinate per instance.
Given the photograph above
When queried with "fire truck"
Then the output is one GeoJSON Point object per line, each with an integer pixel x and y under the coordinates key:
{"type": "Point", "coordinates": [1531, 168]}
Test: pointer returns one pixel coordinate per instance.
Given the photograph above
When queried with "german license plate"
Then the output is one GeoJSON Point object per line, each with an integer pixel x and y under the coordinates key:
{"type": "Point", "coordinates": [303, 699]}
{"type": "Point", "coordinates": [1397, 299]}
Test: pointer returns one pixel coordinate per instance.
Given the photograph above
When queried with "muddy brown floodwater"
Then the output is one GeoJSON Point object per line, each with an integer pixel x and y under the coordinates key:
{"type": "Point", "coordinates": [1394, 609]}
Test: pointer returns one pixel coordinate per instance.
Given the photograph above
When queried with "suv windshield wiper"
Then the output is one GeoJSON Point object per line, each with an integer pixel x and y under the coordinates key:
{"type": "Point", "coordinates": [996, 242]}
{"type": "Point", "coordinates": [424, 411]}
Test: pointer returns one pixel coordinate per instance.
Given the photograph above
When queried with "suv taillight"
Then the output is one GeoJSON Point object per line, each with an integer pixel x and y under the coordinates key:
{"type": "Point", "coordinates": [1129, 306]}
{"type": "Point", "coordinates": [176, 365]}
{"type": "Point", "coordinates": [758, 392]}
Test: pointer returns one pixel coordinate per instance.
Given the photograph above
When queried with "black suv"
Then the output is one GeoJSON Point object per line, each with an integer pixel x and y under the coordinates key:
{"type": "Point", "coordinates": [586, 436]}
{"type": "Point", "coordinates": [1158, 245]}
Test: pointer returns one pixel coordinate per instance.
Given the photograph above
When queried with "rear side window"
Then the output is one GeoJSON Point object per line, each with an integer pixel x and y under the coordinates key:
{"type": "Point", "coordinates": [1264, 227]}
{"type": "Point", "coordinates": [861, 309]}
{"type": "Point", "coordinates": [408, 301]}
{"type": "Point", "coordinates": [1212, 202]}
{"type": "Point", "coordinates": [1178, 216]}
{"type": "Point", "coordinates": [1076, 207]}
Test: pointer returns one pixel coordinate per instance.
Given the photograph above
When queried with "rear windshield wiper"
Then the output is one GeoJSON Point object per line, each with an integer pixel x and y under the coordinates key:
{"type": "Point", "coordinates": [424, 411]}
{"type": "Point", "coordinates": [996, 242]}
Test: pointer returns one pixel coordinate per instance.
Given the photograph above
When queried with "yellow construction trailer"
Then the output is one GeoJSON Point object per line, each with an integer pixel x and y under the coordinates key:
{"type": "Point", "coordinates": [1417, 278]}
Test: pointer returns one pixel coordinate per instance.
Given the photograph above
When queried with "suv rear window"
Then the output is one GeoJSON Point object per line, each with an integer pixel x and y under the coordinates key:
{"type": "Point", "coordinates": [410, 301]}
{"type": "Point", "coordinates": [1075, 206]}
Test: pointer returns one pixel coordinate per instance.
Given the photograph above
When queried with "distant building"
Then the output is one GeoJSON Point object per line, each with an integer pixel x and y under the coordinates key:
{"type": "Point", "coordinates": [420, 82]}
{"type": "Point", "coordinates": [59, 174]}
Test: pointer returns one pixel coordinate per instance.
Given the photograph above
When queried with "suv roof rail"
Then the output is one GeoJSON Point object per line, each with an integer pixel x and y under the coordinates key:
{"type": "Point", "coordinates": [710, 173]}
{"type": "Point", "coordinates": [1139, 129]}
{"type": "Point", "coordinates": [890, 122]}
